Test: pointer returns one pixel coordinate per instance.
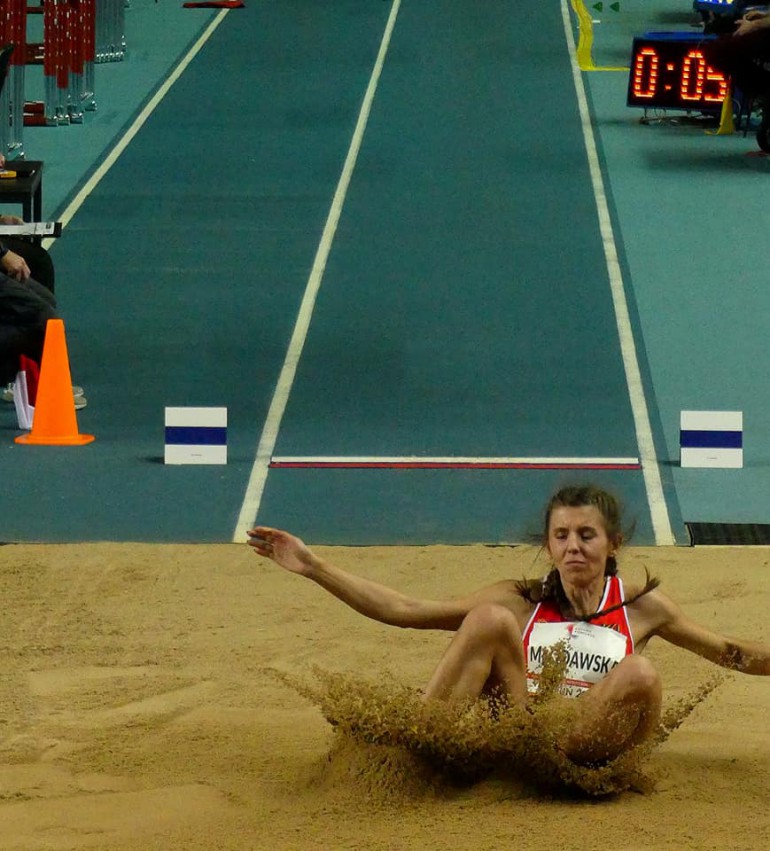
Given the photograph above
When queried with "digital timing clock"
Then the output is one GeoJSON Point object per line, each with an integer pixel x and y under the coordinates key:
{"type": "Point", "coordinates": [670, 71]}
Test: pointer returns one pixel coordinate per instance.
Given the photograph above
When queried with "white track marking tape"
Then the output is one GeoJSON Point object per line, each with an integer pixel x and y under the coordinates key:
{"type": "Point", "coordinates": [661, 523]}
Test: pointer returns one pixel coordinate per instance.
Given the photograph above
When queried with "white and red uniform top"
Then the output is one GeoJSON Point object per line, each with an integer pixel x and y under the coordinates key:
{"type": "Point", "coordinates": [594, 648]}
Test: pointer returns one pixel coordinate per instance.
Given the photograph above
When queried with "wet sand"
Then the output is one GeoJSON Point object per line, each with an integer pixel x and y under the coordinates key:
{"type": "Point", "coordinates": [149, 701]}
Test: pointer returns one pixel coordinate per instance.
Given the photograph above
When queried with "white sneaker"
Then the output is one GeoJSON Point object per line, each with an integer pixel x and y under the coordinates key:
{"type": "Point", "coordinates": [77, 392]}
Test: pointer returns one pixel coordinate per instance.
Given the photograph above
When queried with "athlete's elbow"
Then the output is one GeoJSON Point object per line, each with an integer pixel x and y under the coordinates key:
{"type": "Point", "coordinates": [406, 614]}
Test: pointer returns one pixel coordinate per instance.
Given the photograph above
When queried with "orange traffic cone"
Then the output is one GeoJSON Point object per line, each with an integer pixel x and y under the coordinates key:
{"type": "Point", "coordinates": [55, 422]}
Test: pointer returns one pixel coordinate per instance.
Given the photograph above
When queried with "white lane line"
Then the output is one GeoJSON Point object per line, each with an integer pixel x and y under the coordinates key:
{"type": "Point", "coordinates": [121, 145]}
{"type": "Point", "coordinates": [661, 523]}
{"type": "Point", "coordinates": [269, 436]}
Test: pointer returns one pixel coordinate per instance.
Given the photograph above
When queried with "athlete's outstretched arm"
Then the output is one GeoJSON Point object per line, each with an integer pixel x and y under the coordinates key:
{"type": "Point", "coordinates": [372, 599]}
{"type": "Point", "coordinates": [738, 654]}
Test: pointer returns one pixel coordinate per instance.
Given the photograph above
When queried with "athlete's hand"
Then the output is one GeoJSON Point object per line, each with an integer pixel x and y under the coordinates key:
{"type": "Point", "coordinates": [284, 549]}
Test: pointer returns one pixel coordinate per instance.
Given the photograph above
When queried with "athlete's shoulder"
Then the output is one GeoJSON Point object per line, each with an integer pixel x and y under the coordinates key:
{"type": "Point", "coordinates": [508, 592]}
{"type": "Point", "coordinates": [652, 612]}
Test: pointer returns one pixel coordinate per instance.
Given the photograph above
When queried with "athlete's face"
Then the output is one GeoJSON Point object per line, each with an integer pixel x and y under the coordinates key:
{"type": "Point", "coordinates": [578, 543]}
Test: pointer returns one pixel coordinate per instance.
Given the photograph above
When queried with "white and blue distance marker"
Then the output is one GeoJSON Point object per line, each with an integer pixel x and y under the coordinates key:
{"type": "Point", "coordinates": [711, 439]}
{"type": "Point", "coordinates": [196, 436]}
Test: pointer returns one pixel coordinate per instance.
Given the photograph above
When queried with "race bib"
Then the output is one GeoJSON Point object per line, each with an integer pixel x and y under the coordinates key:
{"type": "Point", "coordinates": [592, 652]}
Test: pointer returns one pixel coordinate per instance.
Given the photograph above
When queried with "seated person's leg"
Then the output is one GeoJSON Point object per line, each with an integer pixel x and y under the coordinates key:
{"type": "Point", "coordinates": [37, 258]}
{"type": "Point", "coordinates": [25, 308]}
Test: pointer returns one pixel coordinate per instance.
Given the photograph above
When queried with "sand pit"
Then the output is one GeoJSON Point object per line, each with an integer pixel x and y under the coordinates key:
{"type": "Point", "coordinates": [145, 706]}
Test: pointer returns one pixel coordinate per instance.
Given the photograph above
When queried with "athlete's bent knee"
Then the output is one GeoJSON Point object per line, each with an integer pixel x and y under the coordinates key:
{"type": "Point", "coordinates": [492, 621]}
{"type": "Point", "coordinates": [639, 677]}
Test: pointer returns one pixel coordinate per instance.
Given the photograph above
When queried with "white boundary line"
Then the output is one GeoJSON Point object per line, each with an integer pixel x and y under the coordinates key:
{"type": "Point", "coordinates": [267, 441]}
{"type": "Point", "coordinates": [661, 523]}
{"type": "Point", "coordinates": [93, 181]}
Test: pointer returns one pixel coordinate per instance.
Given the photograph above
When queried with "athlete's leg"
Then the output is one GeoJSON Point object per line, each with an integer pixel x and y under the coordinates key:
{"type": "Point", "coordinates": [620, 711]}
{"type": "Point", "coordinates": [484, 656]}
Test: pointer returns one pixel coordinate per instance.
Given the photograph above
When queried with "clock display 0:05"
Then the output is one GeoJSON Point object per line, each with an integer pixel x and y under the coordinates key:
{"type": "Point", "coordinates": [674, 75]}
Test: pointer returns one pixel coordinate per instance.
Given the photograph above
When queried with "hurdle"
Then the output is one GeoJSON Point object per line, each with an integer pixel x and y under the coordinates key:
{"type": "Point", "coordinates": [76, 35]}
{"type": "Point", "coordinates": [80, 48]}
{"type": "Point", "coordinates": [110, 38]}
{"type": "Point", "coordinates": [67, 57]}
{"type": "Point", "coordinates": [13, 28]}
